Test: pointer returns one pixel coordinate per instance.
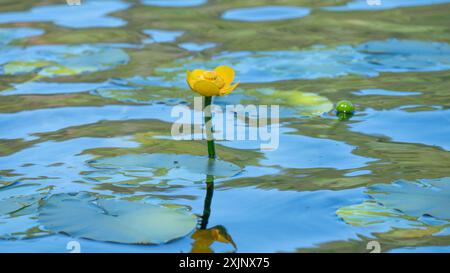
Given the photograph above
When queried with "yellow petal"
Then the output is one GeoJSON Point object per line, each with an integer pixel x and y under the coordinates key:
{"type": "Point", "coordinates": [227, 90]}
{"type": "Point", "coordinates": [226, 73]}
{"type": "Point", "coordinates": [196, 73]}
{"type": "Point", "coordinates": [206, 88]}
{"type": "Point", "coordinates": [188, 78]}
{"type": "Point", "coordinates": [193, 76]}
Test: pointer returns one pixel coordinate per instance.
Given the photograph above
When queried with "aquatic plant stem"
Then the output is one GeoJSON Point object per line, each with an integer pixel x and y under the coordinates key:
{"type": "Point", "coordinates": [208, 127]}
{"type": "Point", "coordinates": [208, 200]}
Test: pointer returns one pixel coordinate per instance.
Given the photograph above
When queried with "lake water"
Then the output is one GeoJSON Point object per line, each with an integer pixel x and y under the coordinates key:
{"type": "Point", "coordinates": [87, 157]}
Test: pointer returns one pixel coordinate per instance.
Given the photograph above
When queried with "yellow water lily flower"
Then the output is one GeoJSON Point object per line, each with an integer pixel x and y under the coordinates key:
{"type": "Point", "coordinates": [212, 83]}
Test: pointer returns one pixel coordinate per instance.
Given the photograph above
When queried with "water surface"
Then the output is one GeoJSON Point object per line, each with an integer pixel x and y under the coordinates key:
{"type": "Point", "coordinates": [265, 13]}
{"type": "Point", "coordinates": [86, 95]}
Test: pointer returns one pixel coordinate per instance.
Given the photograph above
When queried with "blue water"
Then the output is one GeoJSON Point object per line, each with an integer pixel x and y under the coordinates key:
{"type": "Point", "coordinates": [50, 88]}
{"type": "Point", "coordinates": [310, 152]}
{"type": "Point", "coordinates": [8, 35]}
{"type": "Point", "coordinates": [383, 4]}
{"type": "Point", "coordinates": [82, 59]}
{"type": "Point", "coordinates": [265, 13]}
{"type": "Point", "coordinates": [292, 213]}
{"type": "Point", "coordinates": [174, 3]}
{"type": "Point", "coordinates": [95, 117]}
{"type": "Point", "coordinates": [383, 92]}
{"type": "Point", "coordinates": [89, 14]}
{"type": "Point", "coordinates": [424, 127]}
{"type": "Point", "coordinates": [161, 36]}
{"type": "Point", "coordinates": [196, 47]}
{"type": "Point", "coordinates": [48, 120]}
{"type": "Point", "coordinates": [368, 59]}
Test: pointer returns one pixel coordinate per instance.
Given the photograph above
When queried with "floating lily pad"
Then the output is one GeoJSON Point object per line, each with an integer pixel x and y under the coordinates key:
{"type": "Point", "coordinates": [142, 90]}
{"type": "Point", "coordinates": [371, 213]}
{"type": "Point", "coordinates": [24, 67]}
{"type": "Point", "coordinates": [60, 60]}
{"type": "Point", "coordinates": [368, 59]}
{"type": "Point", "coordinates": [415, 199]}
{"type": "Point", "coordinates": [85, 216]}
{"type": "Point", "coordinates": [185, 162]}
{"type": "Point", "coordinates": [388, 222]}
{"type": "Point", "coordinates": [307, 104]}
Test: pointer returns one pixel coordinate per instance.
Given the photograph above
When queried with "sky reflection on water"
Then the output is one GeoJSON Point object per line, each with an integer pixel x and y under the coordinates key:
{"type": "Point", "coordinates": [95, 116]}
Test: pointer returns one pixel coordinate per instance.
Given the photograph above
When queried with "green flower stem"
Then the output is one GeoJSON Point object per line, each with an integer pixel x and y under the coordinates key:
{"type": "Point", "coordinates": [209, 127]}
{"type": "Point", "coordinates": [208, 200]}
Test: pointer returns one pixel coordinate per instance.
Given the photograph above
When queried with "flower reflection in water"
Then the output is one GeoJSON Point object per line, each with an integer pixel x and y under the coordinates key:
{"type": "Point", "coordinates": [204, 237]}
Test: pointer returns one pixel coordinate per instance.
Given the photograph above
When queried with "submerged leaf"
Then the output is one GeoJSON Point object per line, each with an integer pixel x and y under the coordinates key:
{"type": "Point", "coordinates": [370, 213]}
{"type": "Point", "coordinates": [18, 210]}
{"type": "Point", "coordinates": [427, 198]}
{"type": "Point", "coordinates": [83, 215]}
{"type": "Point", "coordinates": [61, 60]}
{"type": "Point", "coordinates": [18, 203]}
{"type": "Point", "coordinates": [189, 163]}
{"type": "Point", "coordinates": [367, 59]}
{"type": "Point", "coordinates": [24, 67]}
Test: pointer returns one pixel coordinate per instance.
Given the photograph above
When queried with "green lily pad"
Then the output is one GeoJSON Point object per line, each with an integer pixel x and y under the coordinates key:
{"type": "Point", "coordinates": [399, 225]}
{"type": "Point", "coordinates": [185, 162]}
{"type": "Point", "coordinates": [141, 93]}
{"type": "Point", "coordinates": [371, 213]}
{"type": "Point", "coordinates": [85, 216]}
{"type": "Point", "coordinates": [416, 199]}
{"type": "Point", "coordinates": [60, 60]}
{"type": "Point", "coordinates": [20, 67]}
{"type": "Point", "coordinates": [305, 103]}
